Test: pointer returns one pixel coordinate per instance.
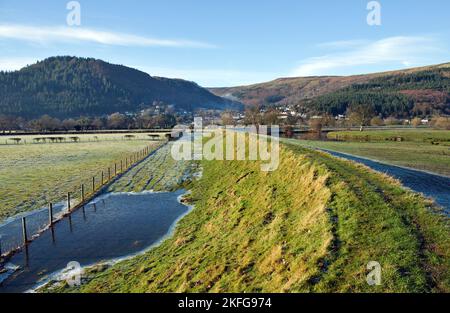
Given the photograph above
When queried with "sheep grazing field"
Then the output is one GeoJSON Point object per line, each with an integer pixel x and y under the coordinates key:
{"type": "Point", "coordinates": [33, 174]}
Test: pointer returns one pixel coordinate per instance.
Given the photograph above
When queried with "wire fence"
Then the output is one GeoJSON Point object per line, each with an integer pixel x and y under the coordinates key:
{"type": "Point", "coordinates": [18, 231]}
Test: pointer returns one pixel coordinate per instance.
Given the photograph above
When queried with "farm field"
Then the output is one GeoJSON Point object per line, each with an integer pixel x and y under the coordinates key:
{"type": "Point", "coordinates": [415, 135]}
{"type": "Point", "coordinates": [70, 138]}
{"type": "Point", "coordinates": [310, 226]}
{"type": "Point", "coordinates": [415, 155]}
{"type": "Point", "coordinates": [31, 175]}
{"type": "Point", "coordinates": [417, 151]}
{"type": "Point", "coordinates": [159, 172]}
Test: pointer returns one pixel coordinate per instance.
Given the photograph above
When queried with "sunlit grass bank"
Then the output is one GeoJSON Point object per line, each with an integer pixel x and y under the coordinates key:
{"type": "Point", "coordinates": [313, 225]}
{"type": "Point", "coordinates": [32, 175]}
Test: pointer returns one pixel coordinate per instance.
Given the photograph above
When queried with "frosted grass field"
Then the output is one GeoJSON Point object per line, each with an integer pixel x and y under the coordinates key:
{"type": "Point", "coordinates": [32, 175]}
{"type": "Point", "coordinates": [31, 139]}
{"type": "Point", "coordinates": [159, 172]}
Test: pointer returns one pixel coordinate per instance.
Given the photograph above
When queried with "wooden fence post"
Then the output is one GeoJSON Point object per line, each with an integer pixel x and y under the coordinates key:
{"type": "Point", "coordinates": [115, 169]}
{"type": "Point", "coordinates": [93, 184]}
{"type": "Point", "coordinates": [102, 179]}
{"type": "Point", "coordinates": [121, 166]}
{"type": "Point", "coordinates": [82, 192]}
{"type": "Point", "coordinates": [50, 214]}
{"type": "Point", "coordinates": [109, 173]}
{"type": "Point", "coordinates": [68, 201]}
{"type": "Point", "coordinates": [24, 231]}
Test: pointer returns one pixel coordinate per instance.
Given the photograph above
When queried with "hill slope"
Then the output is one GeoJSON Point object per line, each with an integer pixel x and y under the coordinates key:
{"type": "Point", "coordinates": [423, 90]}
{"type": "Point", "coordinates": [70, 87]}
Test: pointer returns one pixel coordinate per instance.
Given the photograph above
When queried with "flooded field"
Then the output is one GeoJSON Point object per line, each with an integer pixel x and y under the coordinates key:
{"type": "Point", "coordinates": [112, 226]}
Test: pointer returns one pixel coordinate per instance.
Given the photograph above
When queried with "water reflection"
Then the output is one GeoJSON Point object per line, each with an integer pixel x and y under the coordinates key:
{"type": "Point", "coordinates": [113, 226]}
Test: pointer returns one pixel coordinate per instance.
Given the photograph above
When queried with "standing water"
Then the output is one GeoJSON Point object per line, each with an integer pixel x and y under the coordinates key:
{"type": "Point", "coordinates": [112, 226]}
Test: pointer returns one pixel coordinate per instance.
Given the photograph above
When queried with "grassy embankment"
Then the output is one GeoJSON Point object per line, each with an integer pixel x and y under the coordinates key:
{"type": "Point", "coordinates": [32, 175]}
{"type": "Point", "coordinates": [311, 226]}
{"type": "Point", "coordinates": [421, 149]}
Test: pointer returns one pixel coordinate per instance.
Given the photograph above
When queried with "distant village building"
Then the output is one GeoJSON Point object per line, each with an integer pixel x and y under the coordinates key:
{"type": "Point", "coordinates": [238, 117]}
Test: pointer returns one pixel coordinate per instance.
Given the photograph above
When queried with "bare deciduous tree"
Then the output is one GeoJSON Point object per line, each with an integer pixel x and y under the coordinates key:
{"type": "Point", "coordinates": [360, 115]}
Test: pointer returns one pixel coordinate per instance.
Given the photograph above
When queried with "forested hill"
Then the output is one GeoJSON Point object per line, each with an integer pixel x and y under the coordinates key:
{"type": "Point", "coordinates": [417, 91]}
{"type": "Point", "coordinates": [70, 87]}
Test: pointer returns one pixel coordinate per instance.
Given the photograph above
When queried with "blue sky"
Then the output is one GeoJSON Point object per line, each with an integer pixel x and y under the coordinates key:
{"type": "Point", "coordinates": [227, 43]}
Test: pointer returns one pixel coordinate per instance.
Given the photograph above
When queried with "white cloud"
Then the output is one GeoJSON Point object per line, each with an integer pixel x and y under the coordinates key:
{"type": "Point", "coordinates": [398, 51]}
{"type": "Point", "coordinates": [218, 77]}
{"type": "Point", "coordinates": [13, 64]}
{"type": "Point", "coordinates": [38, 34]}
{"type": "Point", "coordinates": [343, 44]}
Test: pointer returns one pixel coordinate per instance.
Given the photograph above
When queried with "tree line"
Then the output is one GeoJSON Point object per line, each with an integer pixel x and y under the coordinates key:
{"type": "Point", "coordinates": [47, 123]}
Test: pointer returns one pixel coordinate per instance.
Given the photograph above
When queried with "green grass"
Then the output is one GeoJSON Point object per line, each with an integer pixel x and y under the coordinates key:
{"type": "Point", "coordinates": [311, 226]}
{"type": "Point", "coordinates": [34, 174]}
{"type": "Point", "coordinates": [414, 135]}
{"type": "Point", "coordinates": [159, 172]}
{"type": "Point", "coordinates": [418, 155]}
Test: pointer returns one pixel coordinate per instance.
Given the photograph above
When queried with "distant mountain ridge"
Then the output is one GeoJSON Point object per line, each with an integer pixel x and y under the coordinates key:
{"type": "Point", "coordinates": [416, 91]}
{"type": "Point", "coordinates": [70, 87]}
